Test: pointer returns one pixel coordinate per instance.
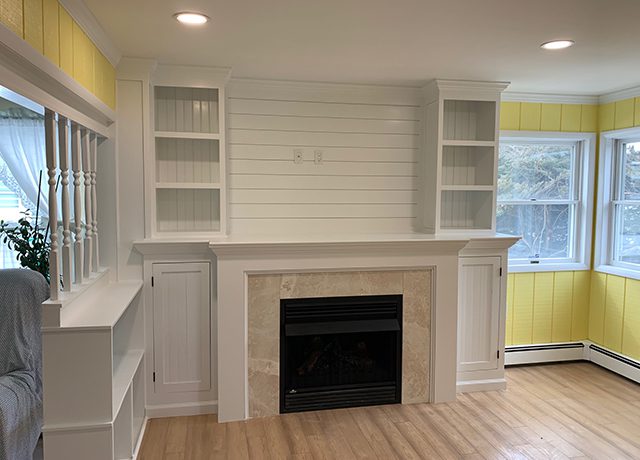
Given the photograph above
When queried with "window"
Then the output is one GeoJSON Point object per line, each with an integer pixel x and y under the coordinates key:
{"type": "Point", "coordinates": [618, 221]}
{"type": "Point", "coordinates": [543, 196]}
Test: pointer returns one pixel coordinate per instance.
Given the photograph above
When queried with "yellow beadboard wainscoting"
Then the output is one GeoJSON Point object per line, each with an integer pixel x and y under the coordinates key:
{"type": "Point", "coordinates": [549, 307]}
{"type": "Point", "coordinates": [49, 28]}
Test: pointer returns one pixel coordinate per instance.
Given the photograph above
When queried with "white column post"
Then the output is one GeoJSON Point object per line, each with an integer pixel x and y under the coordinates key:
{"type": "Point", "coordinates": [63, 144]}
{"type": "Point", "coordinates": [77, 202]}
{"type": "Point", "coordinates": [94, 201]}
{"type": "Point", "coordinates": [50, 141]}
{"type": "Point", "coordinates": [88, 234]}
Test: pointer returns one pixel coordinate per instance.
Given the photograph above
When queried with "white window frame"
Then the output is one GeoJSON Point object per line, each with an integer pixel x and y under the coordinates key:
{"type": "Point", "coordinates": [610, 142]}
{"type": "Point", "coordinates": [585, 177]}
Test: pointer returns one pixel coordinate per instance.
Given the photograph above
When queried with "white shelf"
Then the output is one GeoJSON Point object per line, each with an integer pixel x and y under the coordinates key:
{"type": "Point", "coordinates": [186, 135]}
{"type": "Point", "coordinates": [467, 143]}
{"type": "Point", "coordinates": [187, 185]}
{"type": "Point", "coordinates": [105, 307]}
{"type": "Point", "coordinates": [468, 188]}
{"type": "Point", "coordinates": [123, 376]}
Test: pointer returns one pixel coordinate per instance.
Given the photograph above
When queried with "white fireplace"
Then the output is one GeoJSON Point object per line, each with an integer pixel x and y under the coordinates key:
{"type": "Point", "coordinates": [275, 269]}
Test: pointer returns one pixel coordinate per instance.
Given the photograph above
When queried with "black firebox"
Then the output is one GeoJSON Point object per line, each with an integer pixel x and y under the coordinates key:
{"type": "Point", "coordinates": [340, 352]}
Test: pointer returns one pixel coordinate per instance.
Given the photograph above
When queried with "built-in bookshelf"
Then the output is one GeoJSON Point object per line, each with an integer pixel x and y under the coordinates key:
{"type": "Point", "coordinates": [459, 167]}
{"type": "Point", "coordinates": [189, 166]}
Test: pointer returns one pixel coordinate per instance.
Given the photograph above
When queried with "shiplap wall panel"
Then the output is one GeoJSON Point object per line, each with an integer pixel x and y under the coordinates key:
{"type": "Point", "coordinates": [367, 180]}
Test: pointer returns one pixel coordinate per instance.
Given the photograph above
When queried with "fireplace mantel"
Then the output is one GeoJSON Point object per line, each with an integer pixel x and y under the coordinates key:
{"type": "Point", "coordinates": [240, 257]}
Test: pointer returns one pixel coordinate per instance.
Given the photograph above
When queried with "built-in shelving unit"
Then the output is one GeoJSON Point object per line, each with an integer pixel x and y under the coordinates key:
{"type": "Point", "coordinates": [459, 164]}
{"type": "Point", "coordinates": [189, 172]}
{"type": "Point", "coordinates": [98, 339]}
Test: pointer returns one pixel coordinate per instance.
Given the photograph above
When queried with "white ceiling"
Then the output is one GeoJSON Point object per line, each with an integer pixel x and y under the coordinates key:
{"type": "Point", "coordinates": [396, 42]}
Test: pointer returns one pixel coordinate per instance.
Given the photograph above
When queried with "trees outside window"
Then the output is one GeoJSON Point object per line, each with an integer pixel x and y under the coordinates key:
{"type": "Point", "coordinates": [541, 197]}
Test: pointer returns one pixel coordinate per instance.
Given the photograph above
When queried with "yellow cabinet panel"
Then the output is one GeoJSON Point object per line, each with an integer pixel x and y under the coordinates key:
{"type": "Point", "coordinates": [589, 119]}
{"type": "Point", "coordinates": [510, 116]}
{"type": "Point", "coordinates": [551, 116]}
{"type": "Point", "coordinates": [571, 118]}
{"type": "Point", "coordinates": [83, 58]}
{"type": "Point", "coordinates": [530, 116]}
{"type": "Point", "coordinates": [11, 15]}
{"type": "Point", "coordinates": [66, 41]}
{"type": "Point", "coordinates": [606, 116]}
{"type": "Point", "coordinates": [624, 113]}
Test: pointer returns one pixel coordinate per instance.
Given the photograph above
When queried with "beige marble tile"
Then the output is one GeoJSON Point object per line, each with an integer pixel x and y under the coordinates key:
{"type": "Point", "coordinates": [265, 292]}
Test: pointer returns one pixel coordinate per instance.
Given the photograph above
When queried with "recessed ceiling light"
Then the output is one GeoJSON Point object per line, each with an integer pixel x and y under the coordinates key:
{"type": "Point", "coordinates": [191, 19]}
{"type": "Point", "coordinates": [557, 44]}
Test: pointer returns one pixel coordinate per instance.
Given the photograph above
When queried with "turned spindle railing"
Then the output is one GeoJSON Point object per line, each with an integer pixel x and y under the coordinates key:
{"type": "Point", "coordinates": [71, 264]}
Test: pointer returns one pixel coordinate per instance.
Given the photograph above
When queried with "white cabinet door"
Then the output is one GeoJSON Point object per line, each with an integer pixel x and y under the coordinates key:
{"type": "Point", "coordinates": [478, 313]}
{"type": "Point", "coordinates": [181, 327]}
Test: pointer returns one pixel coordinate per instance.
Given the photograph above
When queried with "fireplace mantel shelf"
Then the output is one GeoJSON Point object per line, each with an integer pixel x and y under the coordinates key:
{"type": "Point", "coordinates": [237, 246]}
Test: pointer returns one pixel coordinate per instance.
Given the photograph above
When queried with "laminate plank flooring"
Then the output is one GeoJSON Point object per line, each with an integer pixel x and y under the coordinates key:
{"type": "Point", "coordinates": [553, 411]}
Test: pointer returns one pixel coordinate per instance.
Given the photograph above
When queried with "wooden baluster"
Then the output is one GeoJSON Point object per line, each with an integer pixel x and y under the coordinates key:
{"type": "Point", "coordinates": [94, 201]}
{"type": "Point", "coordinates": [63, 144]}
{"type": "Point", "coordinates": [88, 234]}
{"type": "Point", "coordinates": [52, 157]}
{"type": "Point", "coordinates": [77, 202]}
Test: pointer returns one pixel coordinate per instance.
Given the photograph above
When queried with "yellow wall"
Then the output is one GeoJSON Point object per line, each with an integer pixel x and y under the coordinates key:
{"type": "Point", "coordinates": [49, 28]}
{"type": "Point", "coordinates": [565, 306]}
{"type": "Point", "coordinates": [547, 307]}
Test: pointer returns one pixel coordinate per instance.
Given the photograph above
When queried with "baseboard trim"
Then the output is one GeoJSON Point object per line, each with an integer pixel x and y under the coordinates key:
{"type": "Point", "coordinates": [574, 351]}
{"type": "Point", "coordinates": [544, 353]}
{"type": "Point", "coordinates": [471, 386]}
{"type": "Point", "coordinates": [136, 449]}
{"type": "Point", "coordinates": [180, 409]}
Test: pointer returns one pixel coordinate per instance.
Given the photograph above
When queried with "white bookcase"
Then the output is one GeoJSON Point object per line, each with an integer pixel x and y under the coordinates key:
{"type": "Point", "coordinates": [188, 176]}
{"type": "Point", "coordinates": [459, 163]}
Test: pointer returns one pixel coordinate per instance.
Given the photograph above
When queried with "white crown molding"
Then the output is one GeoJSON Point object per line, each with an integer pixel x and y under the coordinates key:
{"type": "Point", "coordinates": [85, 19]}
{"type": "Point", "coordinates": [513, 96]}
{"type": "Point", "coordinates": [620, 95]}
{"type": "Point", "coordinates": [187, 75]}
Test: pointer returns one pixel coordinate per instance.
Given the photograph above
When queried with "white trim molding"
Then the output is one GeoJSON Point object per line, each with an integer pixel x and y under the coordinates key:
{"type": "Point", "coordinates": [514, 96]}
{"type": "Point", "coordinates": [603, 249]}
{"type": "Point", "coordinates": [81, 13]}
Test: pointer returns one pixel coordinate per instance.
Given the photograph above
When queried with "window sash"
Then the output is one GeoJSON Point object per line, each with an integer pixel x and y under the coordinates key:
{"type": "Point", "coordinates": [618, 202]}
{"type": "Point", "coordinates": [575, 204]}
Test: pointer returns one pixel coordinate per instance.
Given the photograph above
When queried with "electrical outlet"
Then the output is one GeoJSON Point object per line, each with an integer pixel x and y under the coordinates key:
{"type": "Point", "coordinates": [298, 157]}
{"type": "Point", "coordinates": [317, 157]}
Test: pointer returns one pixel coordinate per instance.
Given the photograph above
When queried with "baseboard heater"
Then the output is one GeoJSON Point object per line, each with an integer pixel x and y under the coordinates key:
{"type": "Point", "coordinates": [616, 356]}
{"type": "Point", "coordinates": [557, 346]}
{"type": "Point", "coordinates": [574, 351]}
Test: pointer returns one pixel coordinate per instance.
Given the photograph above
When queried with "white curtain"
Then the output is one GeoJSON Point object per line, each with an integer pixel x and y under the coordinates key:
{"type": "Point", "coordinates": [23, 156]}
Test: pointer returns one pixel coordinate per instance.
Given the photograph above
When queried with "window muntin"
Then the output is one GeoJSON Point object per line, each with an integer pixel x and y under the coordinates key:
{"type": "Point", "coordinates": [539, 190]}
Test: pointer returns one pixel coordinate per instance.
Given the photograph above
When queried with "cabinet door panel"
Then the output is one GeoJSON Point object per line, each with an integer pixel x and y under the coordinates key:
{"type": "Point", "coordinates": [182, 327]}
{"type": "Point", "coordinates": [478, 313]}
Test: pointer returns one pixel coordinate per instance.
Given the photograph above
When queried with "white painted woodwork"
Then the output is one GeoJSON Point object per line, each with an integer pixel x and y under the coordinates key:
{"type": "Point", "coordinates": [482, 311]}
{"type": "Point", "coordinates": [478, 313]}
{"type": "Point", "coordinates": [188, 171]}
{"type": "Point", "coordinates": [63, 149]}
{"type": "Point", "coordinates": [93, 155]}
{"type": "Point", "coordinates": [90, 360]}
{"type": "Point", "coordinates": [76, 166]}
{"type": "Point", "coordinates": [182, 327]}
{"type": "Point", "coordinates": [88, 233]}
{"type": "Point", "coordinates": [367, 180]}
{"type": "Point", "coordinates": [179, 109]}
{"type": "Point", "coordinates": [458, 170]}
{"type": "Point", "coordinates": [132, 137]}
{"type": "Point", "coordinates": [52, 164]}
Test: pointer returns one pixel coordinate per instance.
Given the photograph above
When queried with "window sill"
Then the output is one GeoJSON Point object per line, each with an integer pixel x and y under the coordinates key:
{"type": "Point", "coordinates": [619, 271]}
{"type": "Point", "coordinates": [549, 267]}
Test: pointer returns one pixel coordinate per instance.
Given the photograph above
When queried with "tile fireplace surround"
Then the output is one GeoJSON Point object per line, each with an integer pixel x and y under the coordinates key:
{"type": "Point", "coordinates": [266, 291]}
{"type": "Point", "coordinates": [254, 274]}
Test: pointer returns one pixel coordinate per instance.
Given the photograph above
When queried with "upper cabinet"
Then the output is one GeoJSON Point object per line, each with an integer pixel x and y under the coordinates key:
{"type": "Point", "coordinates": [189, 151]}
{"type": "Point", "coordinates": [458, 165]}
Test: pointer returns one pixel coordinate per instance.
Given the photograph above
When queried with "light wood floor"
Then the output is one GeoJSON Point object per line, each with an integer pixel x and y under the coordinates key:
{"type": "Point", "coordinates": [575, 410]}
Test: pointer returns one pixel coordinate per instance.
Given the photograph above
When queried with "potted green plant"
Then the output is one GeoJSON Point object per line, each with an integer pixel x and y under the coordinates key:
{"type": "Point", "coordinates": [27, 239]}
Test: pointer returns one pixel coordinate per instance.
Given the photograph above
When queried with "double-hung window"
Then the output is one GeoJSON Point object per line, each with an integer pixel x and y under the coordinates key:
{"type": "Point", "coordinates": [618, 219]}
{"type": "Point", "coordinates": [544, 183]}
